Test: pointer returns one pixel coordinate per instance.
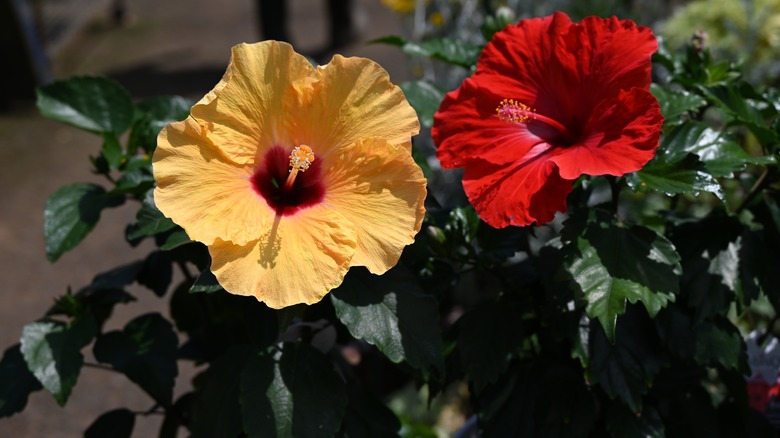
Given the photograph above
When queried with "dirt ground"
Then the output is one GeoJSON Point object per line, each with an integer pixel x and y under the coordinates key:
{"type": "Point", "coordinates": [166, 47]}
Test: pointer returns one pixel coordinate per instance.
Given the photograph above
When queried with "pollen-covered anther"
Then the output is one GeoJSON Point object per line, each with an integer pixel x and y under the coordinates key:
{"type": "Point", "coordinates": [301, 158]}
{"type": "Point", "coordinates": [512, 111]}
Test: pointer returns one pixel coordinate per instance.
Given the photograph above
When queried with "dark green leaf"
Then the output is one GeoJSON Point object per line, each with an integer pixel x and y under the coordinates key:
{"type": "Point", "coordinates": [146, 352]}
{"type": "Point", "coordinates": [295, 392]}
{"type": "Point", "coordinates": [393, 313]}
{"type": "Point", "coordinates": [91, 103]}
{"type": "Point", "coordinates": [676, 103]}
{"type": "Point", "coordinates": [206, 282]}
{"type": "Point", "coordinates": [157, 272]}
{"type": "Point", "coordinates": [425, 98]}
{"type": "Point", "coordinates": [18, 382]}
{"type": "Point", "coordinates": [116, 278]}
{"type": "Point", "coordinates": [688, 175]}
{"type": "Point", "coordinates": [538, 399]}
{"type": "Point", "coordinates": [70, 214]}
{"type": "Point", "coordinates": [710, 261]}
{"type": "Point", "coordinates": [487, 336]}
{"type": "Point", "coordinates": [626, 368]}
{"type": "Point", "coordinates": [612, 265]}
{"type": "Point", "coordinates": [448, 50]}
{"type": "Point", "coordinates": [176, 417]}
{"type": "Point", "coordinates": [622, 423]}
{"type": "Point", "coordinates": [218, 413]}
{"type": "Point", "coordinates": [118, 423]}
{"type": "Point", "coordinates": [175, 240]}
{"type": "Point", "coordinates": [709, 343]}
{"type": "Point", "coordinates": [367, 416]}
{"type": "Point", "coordinates": [52, 351]}
{"type": "Point", "coordinates": [149, 220]}
{"type": "Point", "coordinates": [155, 114]}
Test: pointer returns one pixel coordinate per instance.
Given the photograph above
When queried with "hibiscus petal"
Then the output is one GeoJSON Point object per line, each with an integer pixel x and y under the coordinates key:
{"type": "Point", "coordinates": [381, 190]}
{"type": "Point", "coordinates": [355, 99]}
{"type": "Point", "coordinates": [466, 126]}
{"type": "Point", "coordinates": [252, 107]}
{"type": "Point", "coordinates": [297, 260]}
{"type": "Point", "coordinates": [528, 191]}
{"type": "Point", "coordinates": [622, 137]}
{"type": "Point", "coordinates": [200, 189]}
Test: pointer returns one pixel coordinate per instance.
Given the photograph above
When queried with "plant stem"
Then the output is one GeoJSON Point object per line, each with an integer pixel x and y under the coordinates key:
{"type": "Point", "coordinates": [762, 181]}
{"type": "Point", "coordinates": [615, 186]}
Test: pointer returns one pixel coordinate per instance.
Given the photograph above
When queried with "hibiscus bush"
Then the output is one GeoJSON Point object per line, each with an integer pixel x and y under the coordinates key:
{"type": "Point", "coordinates": [599, 267]}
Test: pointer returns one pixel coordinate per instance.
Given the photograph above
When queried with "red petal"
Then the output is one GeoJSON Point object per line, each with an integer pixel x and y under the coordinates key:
{"type": "Point", "coordinates": [528, 191]}
{"type": "Point", "coordinates": [466, 126]}
{"type": "Point", "coordinates": [622, 136]}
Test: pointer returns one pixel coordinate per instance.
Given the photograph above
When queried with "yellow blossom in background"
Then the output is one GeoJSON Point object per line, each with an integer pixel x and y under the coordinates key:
{"type": "Point", "coordinates": [292, 174]}
{"type": "Point", "coordinates": [401, 6]}
{"type": "Point", "coordinates": [436, 18]}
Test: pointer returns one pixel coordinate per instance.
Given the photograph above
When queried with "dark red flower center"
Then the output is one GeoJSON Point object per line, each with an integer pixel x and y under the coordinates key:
{"type": "Point", "coordinates": [271, 175]}
{"type": "Point", "coordinates": [547, 128]}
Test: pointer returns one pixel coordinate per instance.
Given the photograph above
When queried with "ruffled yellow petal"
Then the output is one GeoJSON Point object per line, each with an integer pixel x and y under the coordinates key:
{"type": "Point", "coordinates": [298, 261]}
{"type": "Point", "coordinates": [256, 102]}
{"type": "Point", "coordinates": [381, 190]}
{"type": "Point", "coordinates": [205, 193]}
{"type": "Point", "coordinates": [355, 99]}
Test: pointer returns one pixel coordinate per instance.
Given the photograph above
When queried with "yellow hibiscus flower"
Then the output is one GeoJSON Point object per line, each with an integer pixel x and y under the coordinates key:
{"type": "Point", "coordinates": [292, 174]}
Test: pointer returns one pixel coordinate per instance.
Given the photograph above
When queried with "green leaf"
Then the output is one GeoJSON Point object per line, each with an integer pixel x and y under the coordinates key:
{"type": "Point", "coordinates": [393, 313]}
{"type": "Point", "coordinates": [206, 282]}
{"type": "Point", "coordinates": [425, 98]}
{"type": "Point", "coordinates": [612, 265]}
{"type": "Point", "coordinates": [487, 336]}
{"type": "Point", "coordinates": [52, 351]}
{"type": "Point", "coordinates": [218, 412]}
{"type": "Point", "coordinates": [18, 382]}
{"type": "Point", "coordinates": [149, 221]}
{"type": "Point", "coordinates": [70, 214]}
{"type": "Point", "coordinates": [136, 181]}
{"type": "Point", "coordinates": [719, 152]}
{"type": "Point", "coordinates": [626, 368]}
{"type": "Point", "coordinates": [145, 351]}
{"type": "Point", "coordinates": [94, 104]}
{"type": "Point", "coordinates": [688, 175]}
{"type": "Point", "coordinates": [622, 423]}
{"type": "Point", "coordinates": [117, 423]}
{"type": "Point", "coordinates": [448, 50]}
{"type": "Point", "coordinates": [112, 150]}
{"type": "Point", "coordinates": [676, 103]}
{"type": "Point", "coordinates": [295, 392]}
{"type": "Point", "coordinates": [742, 103]}
{"type": "Point", "coordinates": [155, 114]}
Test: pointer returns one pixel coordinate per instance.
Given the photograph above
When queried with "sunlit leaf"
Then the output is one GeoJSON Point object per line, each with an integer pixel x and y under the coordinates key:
{"type": "Point", "coordinates": [52, 350]}
{"type": "Point", "coordinates": [94, 104]}
{"type": "Point", "coordinates": [393, 313]}
{"type": "Point", "coordinates": [71, 213]}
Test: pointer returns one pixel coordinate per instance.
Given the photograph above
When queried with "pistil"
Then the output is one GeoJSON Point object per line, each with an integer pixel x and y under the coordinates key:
{"type": "Point", "coordinates": [301, 158]}
{"type": "Point", "coordinates": [512, 111]}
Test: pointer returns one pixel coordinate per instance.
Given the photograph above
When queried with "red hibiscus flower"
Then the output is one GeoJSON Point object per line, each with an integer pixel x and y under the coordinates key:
{"type": "Point", "coordinates": [551, 100]}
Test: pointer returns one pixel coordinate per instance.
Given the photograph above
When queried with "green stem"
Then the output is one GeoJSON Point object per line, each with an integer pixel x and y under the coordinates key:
{"type": "Point", "coordinates": [763, 180]}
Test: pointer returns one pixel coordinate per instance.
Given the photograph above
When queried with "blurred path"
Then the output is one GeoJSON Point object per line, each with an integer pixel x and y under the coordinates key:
{"type": "Point", "coordinates": [166, 47]}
